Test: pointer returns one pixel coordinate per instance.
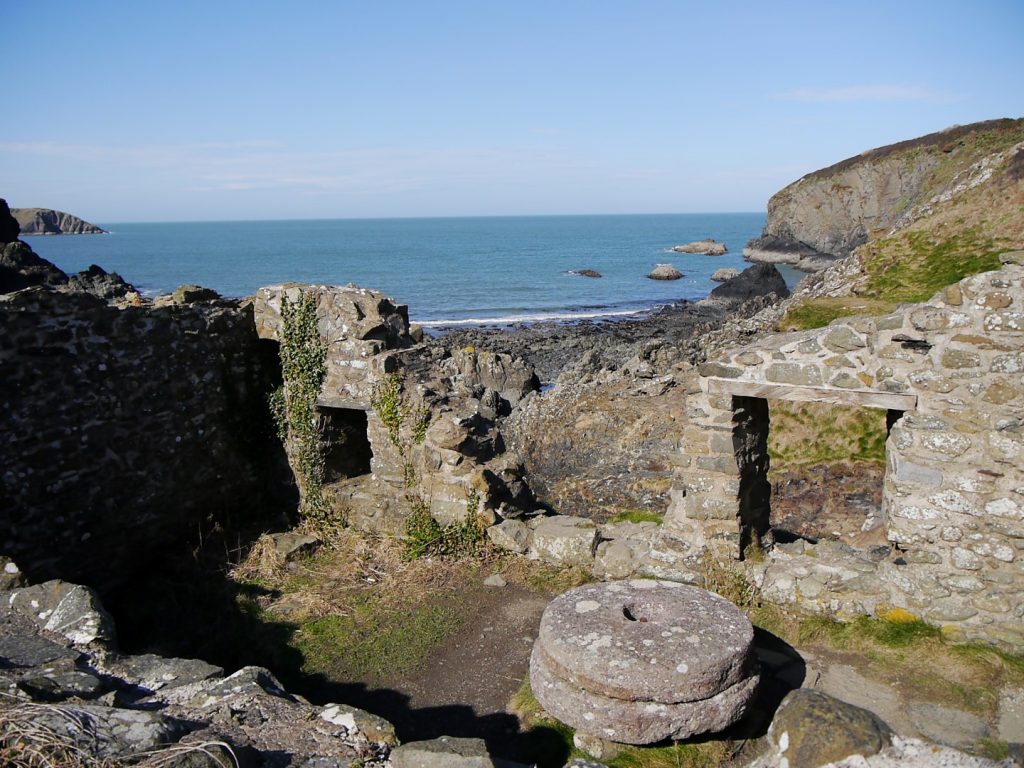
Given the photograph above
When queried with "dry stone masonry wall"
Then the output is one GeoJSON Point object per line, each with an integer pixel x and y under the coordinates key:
{"type": "Point", "coordinates": [951, 374]}
{"type": "Point", "coordinates": [440, 446]}
{"type": "Point", "coordinates": [125, 429]}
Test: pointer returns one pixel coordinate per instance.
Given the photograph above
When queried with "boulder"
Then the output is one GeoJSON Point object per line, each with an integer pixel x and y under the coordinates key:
{"type": "Point", "coordinates": [99, 282]}
{"type": "Point", "coordinates": [70, 610]}
{"type": "Point", "coordinates": [290, 544]}
{"type": "Point", "coordinates": [190, 294]}
{"type": "Point", "coordinates": [20, 268]}
{"type": "Point", "coordinates": [758, 280]}
{"type": "Point", "coordinates": [707, 247]}
{"type": "Point", "coordinates": [446, 752]}
{"type": "Point", "coordinates": [723, 274]}
{"type": "Point", "coordinates": [812, 729]}
{"type": "Point", "coordinates": [564, 540]}
{"type": "Point", "coordinates": [665, 272]}
{"type": "Point", "coordinates": [510, 535]}
{"type": "Point", "coordinates": [98, 731]}
{"type": "Point", "coordinates": [641, 661]}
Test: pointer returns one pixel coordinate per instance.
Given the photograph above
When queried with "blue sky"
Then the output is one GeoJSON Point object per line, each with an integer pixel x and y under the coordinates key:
{"type": "Point", "coordinates": [141, 111]}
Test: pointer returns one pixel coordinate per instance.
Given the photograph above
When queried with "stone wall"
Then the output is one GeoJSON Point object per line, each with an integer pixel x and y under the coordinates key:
{"type": "Point", "coordinates": [951, 374]}
{"type": "Point", "coordinates": [447, 452]}
{"type": "Point", "coordinates": [126, 430]}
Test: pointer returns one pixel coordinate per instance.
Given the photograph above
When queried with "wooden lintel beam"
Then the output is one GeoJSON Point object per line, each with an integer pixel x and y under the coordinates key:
{"type": "Point", "coordinates": [863, 397]}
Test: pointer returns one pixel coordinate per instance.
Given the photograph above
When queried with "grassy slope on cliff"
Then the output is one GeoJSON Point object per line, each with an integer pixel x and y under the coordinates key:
{"type": "Point", "coordinates": [945, 240]}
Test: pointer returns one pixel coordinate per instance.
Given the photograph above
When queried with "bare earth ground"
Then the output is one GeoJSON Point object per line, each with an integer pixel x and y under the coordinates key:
{"type": "Point", "coordinates": [479, 669]}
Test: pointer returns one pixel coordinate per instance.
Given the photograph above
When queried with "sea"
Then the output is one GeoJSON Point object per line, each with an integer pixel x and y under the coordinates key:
{"type": "Point", "coordinates": [480, 271]}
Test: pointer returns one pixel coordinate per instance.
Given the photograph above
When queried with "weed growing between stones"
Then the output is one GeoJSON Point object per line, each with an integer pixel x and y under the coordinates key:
{"type": "Point", "coordinates": [386, 401]}
{"type": "Point", "coordinates": [303, 368]}
{"type": "Point", "coordinates": [425, 537]}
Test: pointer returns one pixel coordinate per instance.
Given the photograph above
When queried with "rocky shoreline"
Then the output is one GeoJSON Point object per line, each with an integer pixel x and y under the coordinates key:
{"type": "Point", "coordinates": [608, 344]}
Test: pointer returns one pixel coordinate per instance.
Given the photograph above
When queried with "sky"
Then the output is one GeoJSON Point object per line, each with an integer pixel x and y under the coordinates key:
{"type": "Point", "coordinates": [224, 110]}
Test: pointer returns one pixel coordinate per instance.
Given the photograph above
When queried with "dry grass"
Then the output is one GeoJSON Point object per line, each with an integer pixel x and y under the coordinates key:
{"type": "Point", "coordinates": [28, 740]}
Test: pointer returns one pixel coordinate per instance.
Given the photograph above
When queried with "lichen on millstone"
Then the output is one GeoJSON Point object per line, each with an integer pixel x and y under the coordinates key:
{"type": "Point", "coordinates": [640, 661]}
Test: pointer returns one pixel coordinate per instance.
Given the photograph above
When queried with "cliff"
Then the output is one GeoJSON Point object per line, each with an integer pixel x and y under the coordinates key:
{"type": "Point", "coordinates": [45, 221]}
{"type": "Point", "coordinates": [826, 214]}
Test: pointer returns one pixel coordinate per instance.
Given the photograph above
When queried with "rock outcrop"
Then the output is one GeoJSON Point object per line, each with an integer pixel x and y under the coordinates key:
{"type": "Point", "coordinates": [68, 689]}
{"type": "Point", "coordinates": [828, 213]}
{"type": "Point", "coordinates": [665, 272]}
{"type": "Point", "coordinates": [46, 221]}
{"type": "Point", "coordinates": [707, 247]}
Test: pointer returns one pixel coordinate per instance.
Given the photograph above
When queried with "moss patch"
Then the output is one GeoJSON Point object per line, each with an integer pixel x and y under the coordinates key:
{"type": "Point", "coordinates": [913, 266]}
{"type": "Point", "coordinates": [639, 516]}
{"type": "Point", "coordinates": [817, 313]}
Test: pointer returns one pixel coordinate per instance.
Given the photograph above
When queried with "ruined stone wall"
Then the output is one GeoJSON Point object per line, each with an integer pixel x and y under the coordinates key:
{"type": "Point", "coordinates": [125, 431]}
{"type": "Point", "coordinates": [447, 452]}
{"type": "Point", "coordinates": [954, 485]}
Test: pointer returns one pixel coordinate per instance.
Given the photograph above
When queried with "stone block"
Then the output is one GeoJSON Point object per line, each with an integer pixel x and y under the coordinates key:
{"type": "Point", "coordinates": [843, 339]}
{"type": "Point", "coordinates": [960, 358]}
{"type": "Point", "coordinates": [946, 443]}
{"type": "Point", "coordinates": [564, 540]}
{"type": "Point", "coordinates": [510, 535]}
{"type": "Point", "coordinates": [1004, 322]}
{"type": "Point", "coordinates": [799, 374]}
{"type": "Point", "coordinates": [718, 370]}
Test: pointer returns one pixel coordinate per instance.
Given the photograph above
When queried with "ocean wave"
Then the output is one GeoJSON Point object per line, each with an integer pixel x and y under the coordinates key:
{"type": "Point", "coordinates": [539, 317]}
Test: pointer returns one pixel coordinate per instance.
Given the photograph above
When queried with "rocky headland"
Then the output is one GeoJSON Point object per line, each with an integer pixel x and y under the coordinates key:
{"type": "Point", "coordinates": [46, 221]}
{"type": "Point", "coordinates": [825, 215]}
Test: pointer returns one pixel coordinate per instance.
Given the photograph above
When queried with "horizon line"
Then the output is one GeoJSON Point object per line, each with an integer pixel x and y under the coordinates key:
{"type": "Point", "coordinates": [419, 218]}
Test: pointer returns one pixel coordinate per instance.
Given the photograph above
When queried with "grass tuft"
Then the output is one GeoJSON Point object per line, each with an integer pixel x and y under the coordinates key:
{"type": "Point", "coordinates": [639, 516]}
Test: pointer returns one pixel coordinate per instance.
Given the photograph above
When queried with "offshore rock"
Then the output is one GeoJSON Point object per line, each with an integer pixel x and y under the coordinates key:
{"type": "Point", "coordinates": [707, 247]}
{"type": "Point", "coordinates": [640, 661]}
{"type": "Point", "coordinates": [758, 280]}
{"type": "Point", "coordinates": [99, 282]}
{"type": "Point", "coordinates": [665, 272]}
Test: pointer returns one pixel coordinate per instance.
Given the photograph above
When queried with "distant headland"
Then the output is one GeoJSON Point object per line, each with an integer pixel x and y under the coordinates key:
{"type": "Point", "coordinates": [46, 221]}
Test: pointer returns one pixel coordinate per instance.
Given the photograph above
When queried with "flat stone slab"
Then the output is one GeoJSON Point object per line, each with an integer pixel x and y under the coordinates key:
{"type": "Point", "coordinates": [646, 640]}
{"type": "Point", "coordinates": [636, 722]}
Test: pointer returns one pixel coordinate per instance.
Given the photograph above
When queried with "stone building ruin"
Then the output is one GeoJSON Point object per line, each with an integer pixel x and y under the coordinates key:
{"type": "Point", "coordinates": [447, 452]}
{"type": "Point", "coordinates": [950, 374]}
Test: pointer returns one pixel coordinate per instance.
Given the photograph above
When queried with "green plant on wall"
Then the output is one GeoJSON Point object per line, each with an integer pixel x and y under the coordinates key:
{"type": "Point", "coordinates": [293, 405]}
{"type": "Point", "coordinates": [425, 537]}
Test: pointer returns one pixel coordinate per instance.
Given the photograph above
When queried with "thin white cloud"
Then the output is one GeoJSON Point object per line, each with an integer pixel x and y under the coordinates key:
{"type": "Point", "coordinates": [266, 165]}
{"type": "Point", "coordinates": [855, 93]}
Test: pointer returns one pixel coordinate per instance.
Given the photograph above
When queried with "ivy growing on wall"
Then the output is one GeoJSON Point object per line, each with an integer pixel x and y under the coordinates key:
{"type": "Point", "coordinates": [293, 405]}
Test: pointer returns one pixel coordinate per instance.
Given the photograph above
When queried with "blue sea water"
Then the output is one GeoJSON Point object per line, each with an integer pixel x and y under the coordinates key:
{"type": "Point", "coordinates": [488, 270]}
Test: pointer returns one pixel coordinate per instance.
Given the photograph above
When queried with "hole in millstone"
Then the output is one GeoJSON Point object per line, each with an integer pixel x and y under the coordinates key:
{"type": "Point", "coordinates": [627, 611]}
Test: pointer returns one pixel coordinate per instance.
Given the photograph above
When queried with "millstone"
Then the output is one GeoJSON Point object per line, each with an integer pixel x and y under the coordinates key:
{"type": "Point", "coordinates": [640, 661]}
